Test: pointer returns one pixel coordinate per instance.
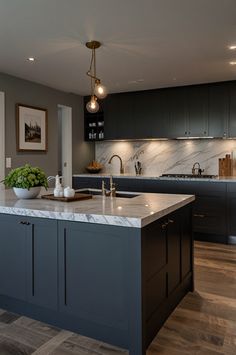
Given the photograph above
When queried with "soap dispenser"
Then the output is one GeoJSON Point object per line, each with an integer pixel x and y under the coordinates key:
{"type": "Point", "coordinates": [58, 191]}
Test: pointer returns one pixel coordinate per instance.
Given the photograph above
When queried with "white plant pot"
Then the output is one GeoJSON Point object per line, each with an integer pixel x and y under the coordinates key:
{"type": "Point", "coordinates": [25, 193]}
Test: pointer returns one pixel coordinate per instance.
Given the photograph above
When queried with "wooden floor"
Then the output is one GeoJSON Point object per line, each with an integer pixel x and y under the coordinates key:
{"type": "Point", "coordinates": [204, 322]}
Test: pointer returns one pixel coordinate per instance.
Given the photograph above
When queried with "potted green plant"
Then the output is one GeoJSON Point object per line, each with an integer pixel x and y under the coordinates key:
{"type": "Point", "coordinates": [26, 181]}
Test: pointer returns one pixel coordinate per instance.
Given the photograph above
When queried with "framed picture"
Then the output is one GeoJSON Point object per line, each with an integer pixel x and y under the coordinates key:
{"type": "Point", "coordinates": [31, 128]}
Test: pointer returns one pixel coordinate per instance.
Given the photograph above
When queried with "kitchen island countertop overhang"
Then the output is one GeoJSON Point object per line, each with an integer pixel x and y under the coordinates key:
{"type": "Point", "coordinates": [137, 212]}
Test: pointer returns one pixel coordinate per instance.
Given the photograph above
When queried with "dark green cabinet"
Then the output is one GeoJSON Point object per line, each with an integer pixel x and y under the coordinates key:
{"type": "Point", "coordinates": [92, 278]}
{"type": "Point", "coordinates": [189, 111]}
{"type": "Point", "coordinates": [232, 112]}
{"type": "Point", "coordinates": [231, 211]}
{"type": "Point", "coordinates": [167, 264]}
{"type": "Point", "coordinates": [118, 116]}
{"type": "Point", "coordinates": [197, 102]}
{"type": "Point", "coordinates": [218, 110]}
{"type": "Point", "coordinates": [13, 257]}
{"type": "Point", "coordinates": [28, 259]}
{"type": "Point", "coordinates": [174, 246]}
{"type": "Point", "coordinates": [42, 262]}
{"type": "Point", "coordinates": [178, 115]}
{"type": "Point", "coordinates": [151, 117]}
{"type": "Point", "coordinates": [116, 284]}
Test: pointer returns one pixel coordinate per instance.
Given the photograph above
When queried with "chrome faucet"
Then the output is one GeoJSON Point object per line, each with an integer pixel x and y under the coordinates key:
{"type": "Point", "coordinates": [121, 163]}
{"type": "Point", "coordinates": [198, 170]}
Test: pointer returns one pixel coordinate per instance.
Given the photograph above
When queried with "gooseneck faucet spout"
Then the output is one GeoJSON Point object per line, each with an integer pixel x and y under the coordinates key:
{"type": "Point", "coordinates": [198, 170]}
{"type": "Point", "coordinates": [121, 163]}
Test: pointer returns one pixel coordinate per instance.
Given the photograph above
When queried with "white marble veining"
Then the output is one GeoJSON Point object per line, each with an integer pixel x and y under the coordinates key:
{"type": "Point", "coordinates": [127, 212]}
{"type": "Point", "coordinates": [150, 177]}
{"type": "Point", "coordinates": [169, 156]}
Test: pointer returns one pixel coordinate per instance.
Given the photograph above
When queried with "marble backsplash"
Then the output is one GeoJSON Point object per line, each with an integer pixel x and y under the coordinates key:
{"type": "Point", "coordinates": [164, 156]}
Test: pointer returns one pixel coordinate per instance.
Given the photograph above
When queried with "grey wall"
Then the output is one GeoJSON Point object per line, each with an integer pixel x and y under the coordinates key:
{"type": "Point", "coordinates": [29, 93]}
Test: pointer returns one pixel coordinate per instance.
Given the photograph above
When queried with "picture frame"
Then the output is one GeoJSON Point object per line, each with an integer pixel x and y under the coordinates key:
{"type": "Point", "coordinates": [31, 128]}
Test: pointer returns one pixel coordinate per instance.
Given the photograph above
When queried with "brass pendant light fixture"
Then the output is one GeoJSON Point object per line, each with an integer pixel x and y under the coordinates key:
{"type": "Point", "coordinates": [98, 91]}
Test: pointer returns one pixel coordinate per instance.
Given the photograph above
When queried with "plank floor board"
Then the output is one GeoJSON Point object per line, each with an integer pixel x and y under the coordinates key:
{"type": "Point", "coordinates": [204, 323]}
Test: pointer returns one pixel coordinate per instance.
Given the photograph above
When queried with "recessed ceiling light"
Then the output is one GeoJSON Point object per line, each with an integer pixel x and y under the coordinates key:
{"type": "Point", "coordinates": [232, 63]}
{"type": "Point", "coordinates": [232, 47]}
{"type": "Point", "coordinates": [31, 59]}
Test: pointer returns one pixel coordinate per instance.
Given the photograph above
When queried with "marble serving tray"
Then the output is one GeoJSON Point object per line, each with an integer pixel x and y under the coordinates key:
{"type": "Point", "coordinates": [76, 197]}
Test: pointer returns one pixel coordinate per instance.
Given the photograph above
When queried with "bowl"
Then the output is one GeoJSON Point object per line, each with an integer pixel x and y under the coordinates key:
{"type": "Point", "coordinates": [92, 170]}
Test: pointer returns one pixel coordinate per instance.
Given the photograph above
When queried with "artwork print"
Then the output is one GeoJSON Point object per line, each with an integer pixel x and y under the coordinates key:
{"type": "Point", "coordinates": [31, 128]}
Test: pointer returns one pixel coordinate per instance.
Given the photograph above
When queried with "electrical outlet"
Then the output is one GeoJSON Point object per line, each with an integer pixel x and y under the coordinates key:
{"type": "Point", "coordinates": [8, 162]}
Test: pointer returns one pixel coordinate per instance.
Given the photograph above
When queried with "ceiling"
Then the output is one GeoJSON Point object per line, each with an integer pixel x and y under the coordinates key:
{"type": "Point", "coordinates": [146, 44]}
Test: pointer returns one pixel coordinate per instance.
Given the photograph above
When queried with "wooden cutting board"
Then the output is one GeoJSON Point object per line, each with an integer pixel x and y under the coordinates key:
{"type": "Point", "coordinates": [78, 197]}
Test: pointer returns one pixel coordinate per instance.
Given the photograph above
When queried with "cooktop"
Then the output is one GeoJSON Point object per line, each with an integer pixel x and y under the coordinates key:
{"type": "Point", "coordinates": [187, 176]}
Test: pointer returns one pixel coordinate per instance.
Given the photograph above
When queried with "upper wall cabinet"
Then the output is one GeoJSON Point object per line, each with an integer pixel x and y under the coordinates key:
{"type": "Point", "coordinates": [197, 104]}
{"type": "Point", "coordinates": [218, 114]}
{"type": "Point", "coordinates": [150, 115]}
{"type": "Point", "coordinates": [178, 115]}
{"type": "Point", "coordinates": [232, 110]}
{"type": "Point", "coordinates": [188, 111]}
{"type": "Point", "coordinates": [118, 116]}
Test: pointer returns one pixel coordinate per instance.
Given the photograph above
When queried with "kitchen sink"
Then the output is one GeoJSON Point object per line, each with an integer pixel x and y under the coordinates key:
{"type": "Point", "coordinates": [99, 192]}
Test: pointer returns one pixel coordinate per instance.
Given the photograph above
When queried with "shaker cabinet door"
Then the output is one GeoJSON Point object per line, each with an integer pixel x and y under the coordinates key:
{"type": "Point", "coordinates": [118, 116]}
{"type": "Point", "coordinates": [177, 107]}
{"type": "Point", "coordinates": [218, 110]}
{"type": "Point", "coordinates": [42, 262]}
{"type": "Point", "coordinates": [232, 112]}
{"type": "Point", "coordinates": [197, 99]}
{"type": "Point", "coordinates": [13, 256]}
{"type": "Point", "coordinates": [88, 288]}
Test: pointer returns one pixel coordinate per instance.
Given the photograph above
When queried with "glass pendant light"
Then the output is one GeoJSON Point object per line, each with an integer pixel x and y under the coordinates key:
{"type": "Point", "coordinates": [98, 91]}
{"type": "Point", "coordinates": [92, 106]}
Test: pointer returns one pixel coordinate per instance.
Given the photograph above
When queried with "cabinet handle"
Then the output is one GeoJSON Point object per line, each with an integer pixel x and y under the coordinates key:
{"type": "Point", "coordinates": [32, 262]}
{"type": "Point", "coordinates": [170, 221]}
{"type": "Point", "coordinates": [199, 215]}
{"type": "Point", "coordinates": [65, 271]}
{"type": "Point", "coordinates": [163, 226]}
{"type": "Point", "coordinates": [24, 222]}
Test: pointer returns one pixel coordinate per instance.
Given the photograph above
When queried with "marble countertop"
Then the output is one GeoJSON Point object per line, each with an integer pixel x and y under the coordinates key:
{"type": "Point", "coordinates": [150, 177]}
{"type": "Point", "coordinates": [127, 212]}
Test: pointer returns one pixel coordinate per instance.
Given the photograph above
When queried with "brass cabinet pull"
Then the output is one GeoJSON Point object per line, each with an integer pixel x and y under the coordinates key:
{"type": "Point", "coordinates": [164, 225]}
{"type": "Point", "coordinates": [24, 222]}
{"type": "Point", "coordinates": [199, 215]}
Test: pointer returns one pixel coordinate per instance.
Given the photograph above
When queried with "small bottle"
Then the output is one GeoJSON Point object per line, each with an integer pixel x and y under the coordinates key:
{"type": "Point", "coordinates": [58, 191]}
